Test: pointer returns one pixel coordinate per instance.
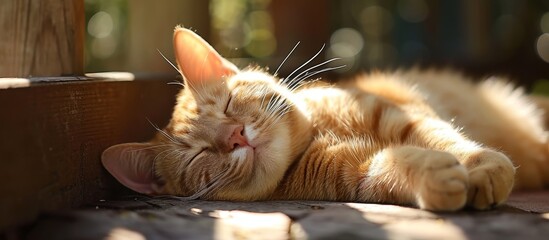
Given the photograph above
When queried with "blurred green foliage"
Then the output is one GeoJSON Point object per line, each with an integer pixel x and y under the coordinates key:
{"type": "Point", "coordinates": [106, 22]}
{"type": "Point", "coordinates": [480, 37]}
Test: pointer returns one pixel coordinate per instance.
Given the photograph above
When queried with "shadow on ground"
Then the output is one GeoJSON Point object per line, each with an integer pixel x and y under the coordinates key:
{"type": "Point", "coordinates": [140, 217]}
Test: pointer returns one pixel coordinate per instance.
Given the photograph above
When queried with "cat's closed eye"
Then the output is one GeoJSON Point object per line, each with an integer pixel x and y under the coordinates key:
{"type": "Point", "coordinates": [228, 103]}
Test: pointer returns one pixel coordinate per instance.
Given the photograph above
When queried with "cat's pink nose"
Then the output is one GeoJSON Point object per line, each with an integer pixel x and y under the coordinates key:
{"type": "Point", "coordinates": [237, 138]}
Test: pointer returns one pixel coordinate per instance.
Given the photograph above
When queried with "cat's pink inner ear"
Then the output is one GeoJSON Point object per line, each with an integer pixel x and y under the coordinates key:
{"type": "Point", "coordinates": [197, 60]}
{"type": "Point", "coordinates": [132, 165]}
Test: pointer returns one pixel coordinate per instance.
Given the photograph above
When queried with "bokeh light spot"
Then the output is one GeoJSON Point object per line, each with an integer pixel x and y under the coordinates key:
{"type": "Point", "coordinates": [346, 42]}
{"type": "Point", "coordinates": [542, 47]}
{"type": "Point", "coordinates": [100, 25]}
{"type": "Point", "coordinates": [262, 43]}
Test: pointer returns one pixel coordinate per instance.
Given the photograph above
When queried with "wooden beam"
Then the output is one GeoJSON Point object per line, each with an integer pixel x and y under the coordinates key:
{"type": "Point", "coordinates": [53, 135]}
{"type": "Point", "coordinates": [41, 38]}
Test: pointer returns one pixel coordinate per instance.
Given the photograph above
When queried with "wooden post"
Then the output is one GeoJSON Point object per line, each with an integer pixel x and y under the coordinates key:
{"type": "Point", "coordinates": [41, 38]}
{"type": "Point", "coordinates": [52, 135]}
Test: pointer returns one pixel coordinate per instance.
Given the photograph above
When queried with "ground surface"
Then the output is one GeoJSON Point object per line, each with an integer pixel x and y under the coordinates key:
{"type": "Point", "coordinates": [525, 216]}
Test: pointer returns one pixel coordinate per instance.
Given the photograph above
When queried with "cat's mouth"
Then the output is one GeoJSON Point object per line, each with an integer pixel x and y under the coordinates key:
{"type": "Point", "coordinates": [255, 143]}
{"type": "Point", "coordinates": [252, 137]}
{"type": "Point", "coordinates": [253, 150]}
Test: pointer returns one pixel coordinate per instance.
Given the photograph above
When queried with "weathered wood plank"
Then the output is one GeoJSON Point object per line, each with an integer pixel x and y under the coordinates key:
{"type": "Point", "coordinates": [41, 38]}
{"type": "Point", "coordinates": [52, 136]}
{"type": "Point", "coordinates": [145, 218]}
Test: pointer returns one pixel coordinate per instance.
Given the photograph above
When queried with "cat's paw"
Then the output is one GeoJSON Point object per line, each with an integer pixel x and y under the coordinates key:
{"type": "Point", "coordinates": [443, 182]}
{"type": "Point", "coordinates": [491, 178]}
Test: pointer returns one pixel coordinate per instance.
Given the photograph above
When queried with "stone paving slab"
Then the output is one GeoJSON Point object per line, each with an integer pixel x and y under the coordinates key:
{"type": "Point", "coordinates": [141, 217]}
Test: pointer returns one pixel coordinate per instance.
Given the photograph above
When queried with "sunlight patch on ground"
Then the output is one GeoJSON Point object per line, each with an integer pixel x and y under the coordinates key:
{"type": "Point", "coordinates": [411, 222]}
{"type": "Point", "coordinates": [250, 225]}
{"type": "Point", "coordinates": [124, 234]}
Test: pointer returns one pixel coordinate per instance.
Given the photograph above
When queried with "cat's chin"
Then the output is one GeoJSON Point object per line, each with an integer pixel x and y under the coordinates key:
{"type": "Point", "coordinates": [244, 153]}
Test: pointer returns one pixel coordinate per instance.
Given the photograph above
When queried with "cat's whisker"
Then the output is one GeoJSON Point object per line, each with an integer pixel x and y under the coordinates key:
{"type": "Point", "coordinates": [277, 110]}
{"type": "Point", "coordinates": [176, 83]}
{"type": "Point", "coordinates": [301, 84]}
{"type": "Point", "coordinates": [321, 71]}
{"type": "Point", "coordinates": [174, 67]}
{"type": "Point", "coordinates": [274, 104]}
{"type": "Point", "coordinates": [286, 58]}
{"type": "Point", "coordinates": [165, 58]}
{"type": "Point", "coordinates": [278, 118]}
{"type": "Point", "coordinates": [182, 164]}
{"type": "Point", "coordinates": [168, 136]}
{"type": "Point", "coordinates": [191, 86]}
{"type": "Point", "coordinates": [276, 113]}
{"type": "Point", "coordinates": [213, 184]}
{"type": "Point", "coordinates": [263, 98]}
{"type": "Point", "coordinates": [317, 72]}
{"type": "Point", "coordinates": [265, 120]}
{"type": "Point", "coordinates": [271, 102]}
{"type": "Point", "coordinates": [190, 83]}
{"type": "Point", "coordinates": [162, 154]}
{"type": "Point", "coordinates": [281, 106]}
{"type": "Point", "coordinates": [283, 111]}
{"type": "Point", "coordinates": [152, 147]}
{"type": "Point", "coordinates": [297, 77]}
{"type": "Point", "coordinates": [268, 114]}
{"type": "Point", "coordinates": [304, 64]}
{"type": "Point", "coordinates": [263, 105]}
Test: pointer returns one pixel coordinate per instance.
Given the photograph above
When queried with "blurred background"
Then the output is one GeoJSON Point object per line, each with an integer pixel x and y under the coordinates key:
{"type": "Point", "coordinates": [480, 38]}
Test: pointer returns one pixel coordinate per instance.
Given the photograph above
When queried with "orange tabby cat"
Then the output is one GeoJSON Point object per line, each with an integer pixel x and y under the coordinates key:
{"type": "Point", "coordinates": [384, 137]}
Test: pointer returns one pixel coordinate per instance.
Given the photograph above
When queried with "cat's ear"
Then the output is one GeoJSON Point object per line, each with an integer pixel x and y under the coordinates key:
{"type": "Point", "coordinates": [197, 60]}
{"type": "Point", "coordinates": [132, 165]}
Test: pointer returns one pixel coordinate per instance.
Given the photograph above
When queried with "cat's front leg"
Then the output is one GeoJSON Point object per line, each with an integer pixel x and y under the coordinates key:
{"type": "Point", "coordinates": [430, 179]}
{"type": "Point", "coordinates": [491, 173]}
